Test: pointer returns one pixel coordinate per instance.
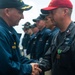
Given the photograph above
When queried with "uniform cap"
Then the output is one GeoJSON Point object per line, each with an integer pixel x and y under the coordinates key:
{"type": "Point", "coordinates": [40, 17]}
{"type": "Point", "coordinates": [19, 4]}
{"type": "Point", "coordinates": [26, 25]}
{"type": "Point", "coordinates": [43, 15]}
{"type": "Point", "coordinates": [56, 4]}
{"type": "Point", "coordinates": [33, 26]}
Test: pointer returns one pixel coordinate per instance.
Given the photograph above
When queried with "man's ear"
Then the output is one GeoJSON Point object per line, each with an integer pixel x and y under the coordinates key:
{"type": "Point", "coordinates": [7, 11]}
{"type": "Point", "coordinates": [66, 10]}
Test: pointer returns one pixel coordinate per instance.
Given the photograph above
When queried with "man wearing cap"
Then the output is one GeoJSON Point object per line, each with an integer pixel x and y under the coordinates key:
{"type": "Point", "coordinates": [32, 38]}
{"type": "Point", "coordinates": [41, 37]}
{"type": "Point", "coordinates": [27, 34]}
{"type": "Point", "coordinates": [11, 61]}
{"type": "Point", "coordinates": [60, 58]}
{"type": "Point", "coordinates": [37, 48]}
{"type": "Point", "coordinates": [53, 33]}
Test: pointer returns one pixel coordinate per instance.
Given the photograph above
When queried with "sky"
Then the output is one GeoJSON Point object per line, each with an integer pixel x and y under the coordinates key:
{"type": "Point", "coordinates": [35, 11]}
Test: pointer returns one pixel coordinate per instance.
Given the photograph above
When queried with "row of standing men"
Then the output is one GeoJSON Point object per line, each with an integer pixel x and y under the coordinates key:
{"type": "Point", "coordinates": [59, 58]}
{"type": "Point", "coordinates": [36, 43]}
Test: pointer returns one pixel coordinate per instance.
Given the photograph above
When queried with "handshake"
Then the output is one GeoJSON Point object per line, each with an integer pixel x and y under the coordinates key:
{"type": "Point", "coordinates": [35, 69]}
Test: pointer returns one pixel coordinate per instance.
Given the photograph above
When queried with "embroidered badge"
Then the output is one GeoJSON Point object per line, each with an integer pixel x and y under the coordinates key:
{"type": "Point", "coordinates": [59, 51]}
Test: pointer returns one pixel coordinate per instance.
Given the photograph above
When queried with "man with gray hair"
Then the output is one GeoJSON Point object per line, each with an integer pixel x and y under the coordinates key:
{"type": "Point", "coordinates": [11, 61]}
